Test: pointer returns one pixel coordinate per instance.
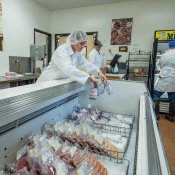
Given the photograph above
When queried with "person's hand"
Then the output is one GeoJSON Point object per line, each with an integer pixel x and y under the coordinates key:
{"type": "Point", "coordinates": [103, 68]}
{"type": "Point", "coordinates": [102, 76]}
{"type": "Point", "coordinates": [93, 79]}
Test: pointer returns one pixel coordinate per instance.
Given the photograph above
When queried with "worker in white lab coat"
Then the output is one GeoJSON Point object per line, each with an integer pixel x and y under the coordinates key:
{"type": "Point", "coordinates": [95, 57]}
{"type": "Point", "coordinates": [166, 80]}
{"type": "Point", "coordinates": [68, 61]}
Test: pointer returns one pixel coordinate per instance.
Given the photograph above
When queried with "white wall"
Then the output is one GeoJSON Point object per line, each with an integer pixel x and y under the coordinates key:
{"type": "Point", "coordinates": [148, 16]}
{"type": "Point", "coordinates": [20, 17]}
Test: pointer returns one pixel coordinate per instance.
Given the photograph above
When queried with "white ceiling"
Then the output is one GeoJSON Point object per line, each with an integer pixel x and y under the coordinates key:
{"type": "Point", "coordinates": [67, 4]}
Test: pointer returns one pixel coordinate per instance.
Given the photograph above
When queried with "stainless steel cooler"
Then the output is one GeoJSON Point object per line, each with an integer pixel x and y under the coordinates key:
{"type": "Point", "coordinates": [24, 110]}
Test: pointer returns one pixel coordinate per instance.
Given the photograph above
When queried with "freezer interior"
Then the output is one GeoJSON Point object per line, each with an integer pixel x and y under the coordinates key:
{"type": "Point", "coordinates": [24, 111]}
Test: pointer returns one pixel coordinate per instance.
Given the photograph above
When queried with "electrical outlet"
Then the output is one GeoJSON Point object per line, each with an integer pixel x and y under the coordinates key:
{"type": "Point", "coordinates": [16, 61]}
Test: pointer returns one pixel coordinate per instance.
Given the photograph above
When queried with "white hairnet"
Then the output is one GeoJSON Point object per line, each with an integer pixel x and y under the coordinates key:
{"type": "Point", "coordinates": [77, 36]}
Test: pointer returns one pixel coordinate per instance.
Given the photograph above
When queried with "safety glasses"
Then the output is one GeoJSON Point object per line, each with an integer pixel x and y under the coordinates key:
{"type": "Point", "coordinates": [83, 43]}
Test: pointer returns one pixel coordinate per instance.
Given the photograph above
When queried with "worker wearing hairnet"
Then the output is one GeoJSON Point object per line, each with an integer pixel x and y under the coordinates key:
{"type": "Point", "coordinates": [68, 61]}
{"type": "Point", "coordinates": [166, 80]}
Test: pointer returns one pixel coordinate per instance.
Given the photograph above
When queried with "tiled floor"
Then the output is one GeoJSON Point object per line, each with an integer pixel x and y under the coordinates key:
{"type": "Point", "coordinates": [167, 130]}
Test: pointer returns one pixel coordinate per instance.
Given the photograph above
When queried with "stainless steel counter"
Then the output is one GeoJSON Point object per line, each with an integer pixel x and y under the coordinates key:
{"type": "Point", "coordinates": [8, 82]}
{"type": "Point", "coordinates": [5, 79]}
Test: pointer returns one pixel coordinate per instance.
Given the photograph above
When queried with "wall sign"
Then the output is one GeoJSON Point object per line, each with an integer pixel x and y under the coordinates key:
{"type": "Point", "coordinates": [123, 48]}
{"type": "Point", "coordinates": [121, 31]}
{"type": "Point", "coordinates": [165, 35]}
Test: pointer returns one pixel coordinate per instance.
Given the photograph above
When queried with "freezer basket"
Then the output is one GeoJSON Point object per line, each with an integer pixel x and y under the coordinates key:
{"type": "Point", "coordinates": [125, 118]}
{"type": "Point", "coordinates": [117, 156]}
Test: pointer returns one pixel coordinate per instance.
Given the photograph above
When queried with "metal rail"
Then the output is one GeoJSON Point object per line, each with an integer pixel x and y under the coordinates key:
{"type": "Point", "coordinates": [13, 106]}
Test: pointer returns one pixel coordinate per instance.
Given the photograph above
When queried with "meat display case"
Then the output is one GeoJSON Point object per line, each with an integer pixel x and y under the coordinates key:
{"type": "Point", "coordinates": [24, 110]}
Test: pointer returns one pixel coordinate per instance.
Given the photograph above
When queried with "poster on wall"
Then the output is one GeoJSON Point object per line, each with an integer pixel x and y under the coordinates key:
{"type": "Point", "coordinates": [165, 35]}
{"type": "Point", "coordinates": [1, 27]}
{"type": "Point", "coordinates": [121, 31]}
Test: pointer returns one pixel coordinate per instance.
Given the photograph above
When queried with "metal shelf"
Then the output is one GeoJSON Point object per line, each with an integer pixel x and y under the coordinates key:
{"type": "Point", "coordinates": [138, 59]}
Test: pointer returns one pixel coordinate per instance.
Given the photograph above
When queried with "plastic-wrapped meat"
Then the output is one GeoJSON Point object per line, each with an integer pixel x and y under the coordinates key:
{"type": "Point", "coordinates": [63, 155]}
{"type": "Point", "coordinates": [22, 172]}
{"type": "Point", "coordinates": [23, 163]}
{"type": "Point", "coordinates": [71, 139]}
{"type": "Point", "coordinates": [103, 171]}
{"type": "Point", "coordinates": [84, 169]}
{"type": "Point", "coordinates": [62, 136]}
{"type": "Point", "coordinates": [21, 152]}
{"type": "Point", "coordinates": [32, 166]}
{"type": "Point", "coordinates": [78, 138]}
{"type": "Point", "coordinates": [58, 153]}
{"type": "Point", "coordinates": [48, 170]}
{"type": "Point", "coordinates": [94, 147]}
{"type": "Point", "coordinates": [11, 74]}
{"type": "Point", "coordinates": [84, 142]}
{"type": "Point", "coordinates": [54, 143]}
{"type": "Point", "coordinates": [92, 144]}
{"type": "Point", "coordinates": [112, 137]}
{"type": "Point", "coordinates": [89, 157]}
{"type": "Point", "coordinates": [124, 119]}
{"type": "Point", "coordinates": [66, 152]}
{"type": "Point", "coordinates": [66, 157]}
{"type": "Point", "coordinates": [81, 144]}
{"type": "Point", "coordinates": [97, 167]}
{"type": "Point", "coordinates": [48, 129]}
{"type": "Point", "coordinates": [109, 148]}
{"type": "Point", "coordinates": [76, 159]}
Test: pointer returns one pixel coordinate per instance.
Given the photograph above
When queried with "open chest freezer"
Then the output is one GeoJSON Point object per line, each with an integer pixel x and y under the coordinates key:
{"type": "Point", "coordinates": [24, 110]}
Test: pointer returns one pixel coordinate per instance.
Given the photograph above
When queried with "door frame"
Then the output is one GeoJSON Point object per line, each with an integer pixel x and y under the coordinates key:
{"type": "Point", "coordinates": [49, 39]}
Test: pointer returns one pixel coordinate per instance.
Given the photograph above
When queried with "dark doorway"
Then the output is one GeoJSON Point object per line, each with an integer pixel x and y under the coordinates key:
{"type": "Point", "coordinates": [44, 38]}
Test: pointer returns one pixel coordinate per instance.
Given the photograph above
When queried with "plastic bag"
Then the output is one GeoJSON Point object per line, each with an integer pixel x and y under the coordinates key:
{"type": "Point", "coordinates": [101, 87]}
{"type": "Point", "coordinates": [109, 89]}
{"type": "Point", "coordinates": [55, 143]}
{"type": "Point", "coordinates": [48, 130]}
{"type": "Point", "coordinates": [60, 166]}
{"type": "Point", "coordinates": [22, 172]}
{"type": "Point", "coordinates": [93, 91]}
{"type": "Point", "coordinates": [21, 152]}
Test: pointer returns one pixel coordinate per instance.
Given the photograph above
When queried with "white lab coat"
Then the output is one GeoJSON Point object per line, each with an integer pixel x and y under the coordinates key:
{"type": "Point", "coordinates": [166, 80]}
{"type": "Point", "coordinates": [65, 63]}
{"type": "Point", "coordinates": [96, 58]}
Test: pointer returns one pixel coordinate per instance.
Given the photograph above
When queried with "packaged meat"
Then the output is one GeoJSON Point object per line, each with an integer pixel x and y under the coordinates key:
{"type": "Point", "coordinates": [22, 171]}
{"type": "Point", "coordinates": [54, 143]}
{"type": "Point", "coordinates": [21, 152]}
{"type": "Point", "coordinates": [124, 119]}
{"type": "Point", "coordinates": [48, 130]}
{"type": "Point", "coordinates": [60, 166]}
{"type": "Point", "coordinates": [10, 74]}
{"type": "Point", "coordinates": [112, 137]}
{"type": "Point", "coordinates": [23, 163]}
{"type": "Point", "coordinates": [109, 148]}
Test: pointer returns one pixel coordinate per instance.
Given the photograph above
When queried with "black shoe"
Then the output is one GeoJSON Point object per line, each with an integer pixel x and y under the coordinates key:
{"type": "Point", "coordinates": [157, 116]}
{"type": "Point", "coordinates": [156, 103]}
{"type": "Point", "coordinates": [170, 118]}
